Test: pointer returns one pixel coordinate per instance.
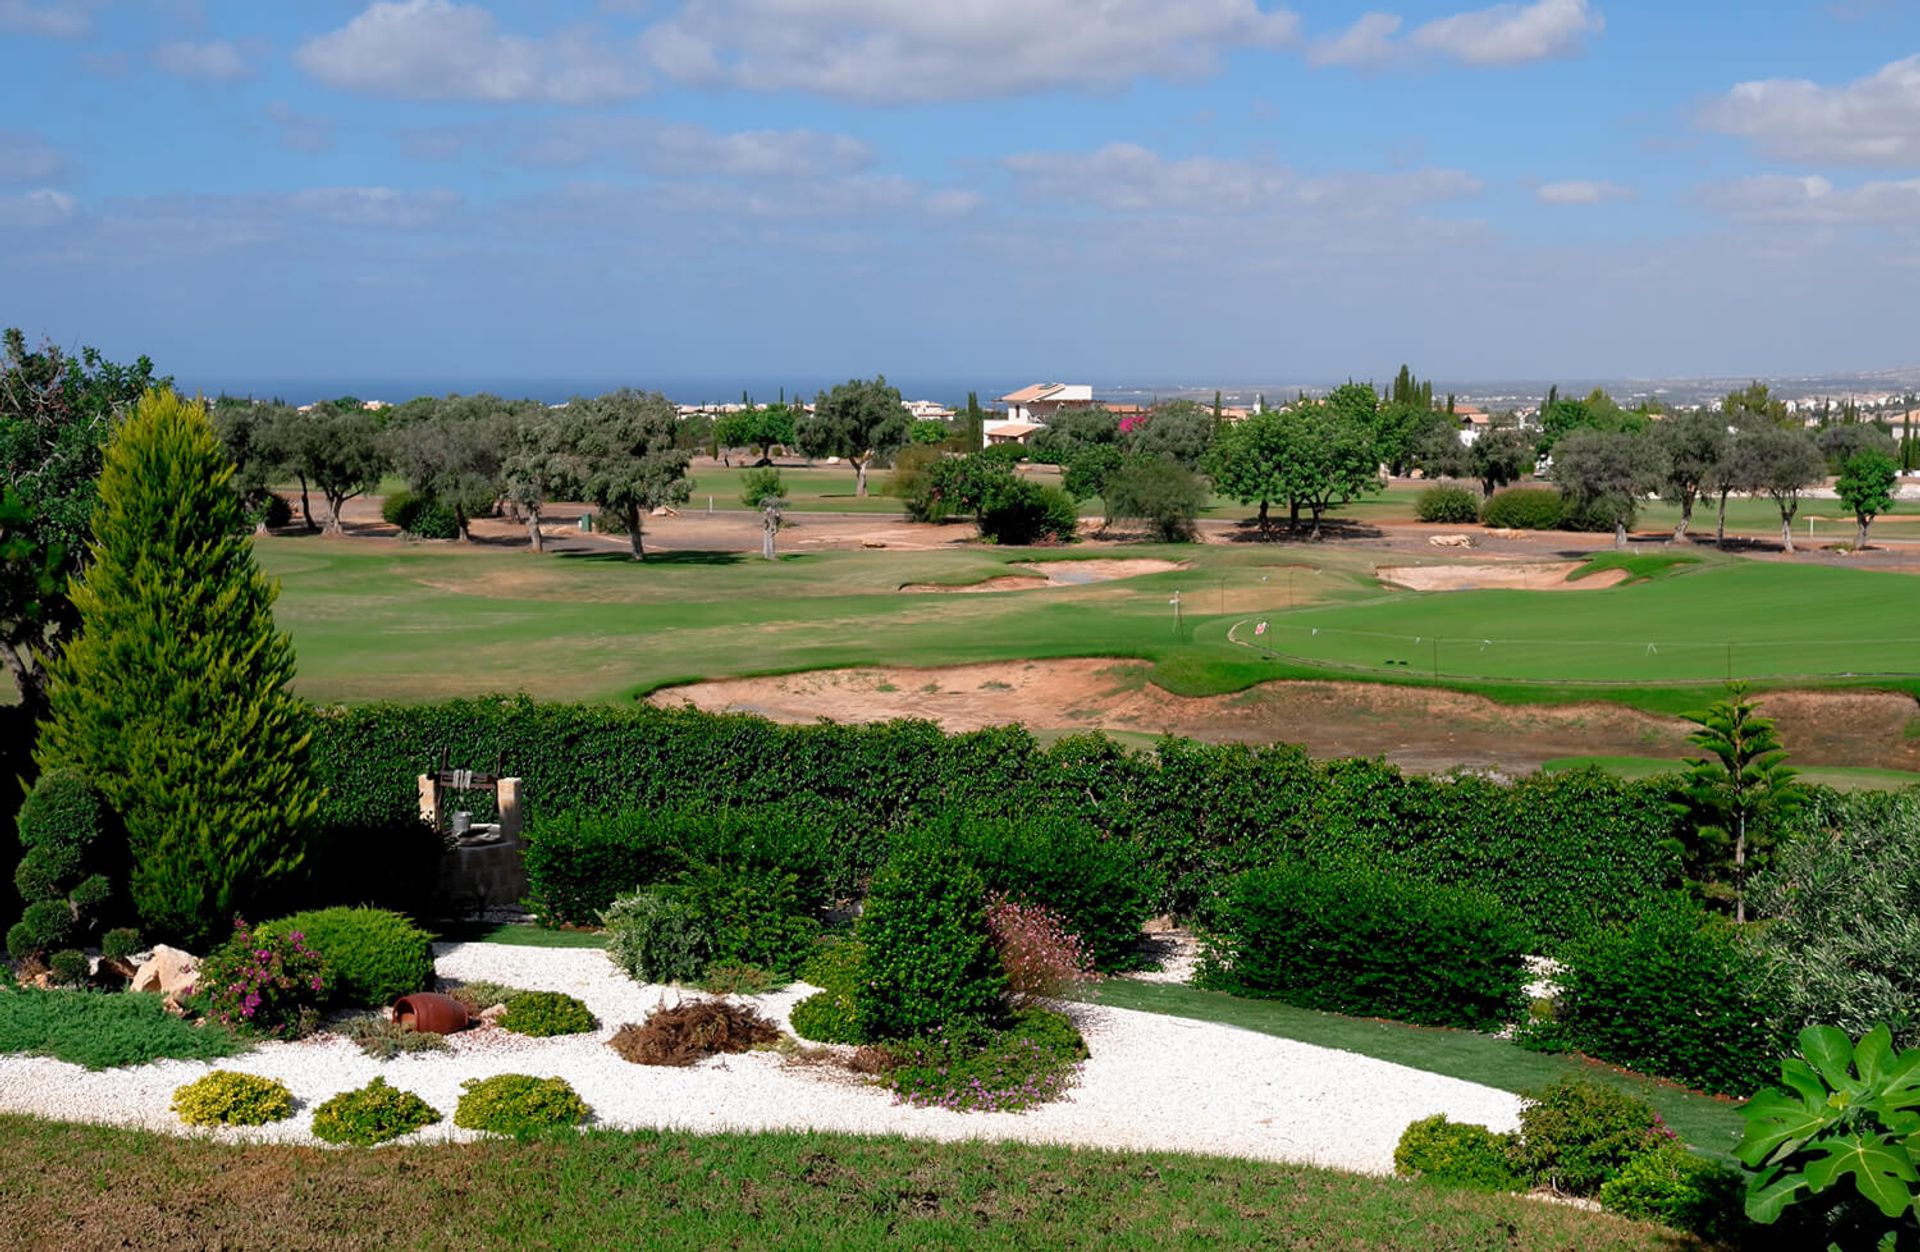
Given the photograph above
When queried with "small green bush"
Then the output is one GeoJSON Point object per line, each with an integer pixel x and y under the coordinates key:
{"type": "Point", "coordinates": [69, 967]}
{"type": "Point", "coordinates": [1577, 1133]}
{"type": "Point", "coordinates": [382, 1038]}
{"type": "Point", "coordinates": [1524, 508]}
{"type": "Point", "coordinates": [930, 962]}
{"type": "Point", "coordinates": [373, 1114]}
{"type": "Point", "coordinates": [104, 1030]}
{"type": "Point", "coordinates": [736, 978]}
{"type": "Point", "coordinates": [1447, 504]}
{"type": "Point", "coordinates": [973, 1068]}
{"type": "Point", "coordinates": [543, 1014]}
{"type": "Point", "coordinates": [374, 956]}
{"type": "Point", "coordinates": [420, 516]}
{"type": "Point", "coordinates": [1676, 994]}
{"type": "Point", "coordinates": [827, 1017]}
{"type": "Point", "coordinates": [755, 916]}
{"type": "Point", "coordinates": [1367, 943]}
{"type": "Point", "coordinates": [120, 943]}
{"type": "Point", "coordinates": [1458, 1154]}
{"type": "Point", "coordinates": [658, 936]}
{"type": "Point", "coordinates": [226, 1098]}
{"type": "Point", "coordinates": [65, 845]}
{"type": "Point", "coordinates": [1673, 1187]}
{"type": "Point", "coordinates": [480, 995]}
{"type": "Point", "coordinates": [519, 1105]}
{"type": "Point", "coordinates": [835, 964]}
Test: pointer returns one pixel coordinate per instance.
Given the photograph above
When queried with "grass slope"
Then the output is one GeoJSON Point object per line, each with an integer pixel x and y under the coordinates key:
{"type": "Point", "coordinates": [68, 1186]}
{"type": "Point", "coordinates": [1708, 1125]}
{"type": "Point", "coordinates": [101, 1030]}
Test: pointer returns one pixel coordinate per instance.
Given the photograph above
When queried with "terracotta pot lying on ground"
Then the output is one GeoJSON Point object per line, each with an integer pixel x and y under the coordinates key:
{"type": "Point", "coordinates": [430, 1013]}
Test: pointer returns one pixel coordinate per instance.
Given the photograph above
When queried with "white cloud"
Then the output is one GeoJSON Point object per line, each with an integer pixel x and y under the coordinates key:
{"type": "Point", "coordinates": [1581, 191]}
{"type": "Point", "coordinates": [1871, 121]}
{"type": "Point", "coordinates": [27, 158]}
{"type": "Point", "coordinates": [1815, 201]}
{"type": "Point", "coordinates": [52, 21]}
{"type": "Point", "coordinates": [1369, 41]}
{"type": "Point", "coordinates": [1512, 34]}
{"type": "Point", "coordinates": [215, 61]}
{"type": "Point", "coordinates": [1127, 178]}
{"type": "Point", "coordinates": [684, 148]}
{"type": "Point", "coordinates": [439, 50]}
{"type": "Point", "coordinates": [380, 207]}
{"type": "Point", "coordinates": [877, 51]}
{"type": "Point", "coordinates": [41, 207]}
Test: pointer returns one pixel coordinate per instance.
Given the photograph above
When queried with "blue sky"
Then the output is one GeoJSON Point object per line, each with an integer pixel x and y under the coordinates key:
{"type": "Point", "coordinates": [1189, 191]}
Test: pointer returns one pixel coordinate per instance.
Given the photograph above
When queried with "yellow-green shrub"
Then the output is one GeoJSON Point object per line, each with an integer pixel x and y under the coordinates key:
{"type": "Point", "coordinates": [227, 1098]}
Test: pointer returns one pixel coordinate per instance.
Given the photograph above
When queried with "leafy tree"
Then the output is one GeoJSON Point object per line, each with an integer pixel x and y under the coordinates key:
{"type": "Point", "coordinates": [1598, 411]}
{"type": "Point", "coordinates": [1180, 430]}
{"type": "Point", "coordinates": [1249, 462]}
{"type": "Point", "coordinates": [1163, 494]}
{"type": "Point", "coordinates": [1779, 461]}
{"type": "Point", "coordinates": [1356, 401]}
{"type": "Point", "coordinates": [1865, 486]}
{"type": "Point", "coordinates": [1331, 459]}
{"type": "Point", "coordinates": [250, 433]}
{"type": "Point", "coordinates": [1754, 406]}
{"type": "Point", "coordinates": [1737, 794]}
{"type": "Point", "coordinates": [858, 420]}
{"type": "Point", "coordinates": [763, 428]}
{"type": "Point", "coordinates": [623, 445]}
{"type": "Point", "coordinates": [1841, 441]}
{"type": "Point", "coordinates": [537, 467]}
{"type": "Point", "coordinates": [55, 414]}
{"type": "Point", "coordinates": [759, 485]}
{"type": "Point", "coordinates": [1071, 431]}
{"type": "Point", "coordinates": [1694, 446]}
{"type": "Point", "coordinates": [1500, 456]}
{"type": "Point", "coordinates": [929, 432]}
{"type": "Point", "coordinates": [172, 696]}
{"type": "Point", "coordinates": [343, 452]}
{"type": "Point", "coordinates": [456, 455]}
{"type": "Point", "coordinates": [1603, 474]}
{"type": "Point", "coordinates": [1087, 473]}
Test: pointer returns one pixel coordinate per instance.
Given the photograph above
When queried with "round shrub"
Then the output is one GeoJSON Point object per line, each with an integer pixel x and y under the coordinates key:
{"type": "Point", "coordinates": [120, 944]}
{"type": "Point", "coordinates": [1523, 508]}
{"type": "Point", "coordinates": [1368, 943]}
{"type": "Point", "coordinates": [543, 1014]}
{"type": "Point", "coordinates": [271, 984]}
{"type": "Point", "coordinates": [1577, 1133]}
{"type": "Point", "coordinates": [657, 936]}
{"type": "Point", "coordinates": [226, 1098]}
{"type": "Point", "coordinates": [827, 1017]}
{"type": "Point", "coordinates": [1676, 994]}
{"type": "Point", "coordinates": [517, 1104]}
{"type": "Point", "coordinates": [930, 962]}
{"type": "Point", "coordinates": [1447, 504]}
{"type": "Point", "coordinates": [421, 516]}
{"type": "Point", "coordinates": [1673, 1187]}
{"type": "Point", "coordinates": [1458, 1154]}
{"type": "Point", "coordinates": [373, 1114]}
{"type": "Point", "coordinates": [374, 956]}
{"type": "Point", "coordinates": [69, 967]}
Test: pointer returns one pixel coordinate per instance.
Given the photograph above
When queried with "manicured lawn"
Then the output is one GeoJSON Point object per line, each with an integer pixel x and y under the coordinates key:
{"type": "Point", "coordinates": [71, 1186]}
{"type": "Point", "coordinates": [1843, 777]}
{"type": "Point", "coordinates": [101, 1030]}
{"type": "Point", "coordinates": [1709, 1126]}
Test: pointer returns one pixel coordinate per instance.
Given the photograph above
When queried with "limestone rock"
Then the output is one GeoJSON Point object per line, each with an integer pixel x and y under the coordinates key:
{"type": "Point", "coordinates": [168, 971]}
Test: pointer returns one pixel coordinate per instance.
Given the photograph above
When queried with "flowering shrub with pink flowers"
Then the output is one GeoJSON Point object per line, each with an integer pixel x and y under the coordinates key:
{"type": "Point", "coordinates": [1041, 956]}
{"type": "Point", "coordinates": [272, 985]}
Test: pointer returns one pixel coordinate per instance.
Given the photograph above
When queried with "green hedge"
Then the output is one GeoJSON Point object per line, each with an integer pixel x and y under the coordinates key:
{"type": "Point", "coordinates": [1369, 944]}
{"type": "Point", "coordinates": [1524, 508]}
{"type": "Point", "coordinates": [1561, 850]}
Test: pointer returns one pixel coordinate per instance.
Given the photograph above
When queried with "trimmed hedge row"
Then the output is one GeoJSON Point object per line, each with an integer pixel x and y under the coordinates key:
{"type": "Point", "coordinates": [1562, 850]}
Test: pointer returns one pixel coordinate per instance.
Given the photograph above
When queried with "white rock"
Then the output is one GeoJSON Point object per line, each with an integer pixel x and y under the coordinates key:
{"type": "Point", "coordinates": [168, 971]}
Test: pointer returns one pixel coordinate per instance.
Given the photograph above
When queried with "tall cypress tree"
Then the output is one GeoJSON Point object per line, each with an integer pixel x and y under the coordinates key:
{"type": "Point", "coordinates": [172, 697]}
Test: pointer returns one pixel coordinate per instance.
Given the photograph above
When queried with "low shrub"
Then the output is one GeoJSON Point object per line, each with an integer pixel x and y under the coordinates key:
{"type": "Point", "coordinates": [736, 978]}
{"type": "Point", "coordinates": [835, 964]}
{"type": "Point", "coordinates": [421, 516]}
{"type": "Point", "coordinates": [479, 995]}
{"type": "Point", "coordinates": [930, 962]}
{"type": "Point", "coordinates": [543, 1014]}
{"type": "Point", "coordinates": [1458, 1154]}
{"type": "Point", "coordinates": [373, 956]}
{"type": "Point", "coordinates": [1675, 994]}
{"type": "Point", "coordinates": [693, 1031]}
{"type": "Point", "coordinates": [120, 944]}
{"type": "Point", "coordinates": [382, 1038]}
{"type": "Point", "coordinates": [102, 1030]}
{"type": "Point", "coordinates": [827, 1017]}
{"type": "Point", "coordinates": [518, 1105]}
{"type": "Point", "coordinates": [1600, 515]}
{"type": "Point", "coordinates": [973, 1068]}
{"type": "Point", "coordinates": [1447, 504]}
{"type": "Point", "coordinates": [752, 916]}
{"type": "Point", "coordinates": [658, 936]}
{"type": "Point", "coordinates": [69, 967]}
{"type": "Point", "coordinates": [1367, 943]}
{"type": "Point", "coordinates": [1673, 1187]}
{"type": "Point", "coordinates": [1102, 886]}
{"type": "Point", "coordinates": [1577, 1133]}
{"type": "Point", "coordinates": [1040, 957]}
{"type": "Point", "coordinates": [1020, 512]}
{"type": "Point", "coordinates": [226, 1098]}
{"type": "Point", "coordinates": [272, 985]}
{"type": "Point", "coordinates": [373, 1114]}
{"type": "Point", "coordinates": [1524, 508]}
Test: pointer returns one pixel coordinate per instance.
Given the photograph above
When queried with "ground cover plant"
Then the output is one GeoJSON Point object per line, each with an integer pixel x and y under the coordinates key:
{"type": "Point", "coordinates": [373, 956]}
{"type": "Point", "coordinates": [828, 1015]}
{"type": "Point", "coordinates": [103, 1030]}
{"type": "Point", "coordinates": [968, 1067]}
{"type": "Point", "coordinates": [382, 1038]}
{"type": "Point", "coordinates": [226, 1098]}
{"type": "Point", "coordinates": [371, 1114]}
{"type": "Point", "coordinates": [518, 1105]}
{"type": "Point", "coordinates": [692, 1031]}
{"type": "Point", "coordinates": [679, 1190]}
{"type": "Point", "coordinates": [543, 1014]}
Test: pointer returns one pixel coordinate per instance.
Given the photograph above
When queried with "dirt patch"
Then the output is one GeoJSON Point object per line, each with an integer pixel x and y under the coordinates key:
{"type": "Point", "coordinates": [1005, 582]}
{"type": "Point", "coordinates": [1417, 728]}
{"type": "Point", "coordinates": [1054, 574]}
{"type": "Point", "coordinates": [1515, 576]}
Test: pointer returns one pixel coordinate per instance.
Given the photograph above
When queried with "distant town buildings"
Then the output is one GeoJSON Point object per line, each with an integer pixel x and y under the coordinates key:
{"type": "Point", "coordinates": [1029, 408]}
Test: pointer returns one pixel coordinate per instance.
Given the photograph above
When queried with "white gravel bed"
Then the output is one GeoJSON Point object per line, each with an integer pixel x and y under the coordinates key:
{"type": "Point", "coordinates": [1152, 1083]}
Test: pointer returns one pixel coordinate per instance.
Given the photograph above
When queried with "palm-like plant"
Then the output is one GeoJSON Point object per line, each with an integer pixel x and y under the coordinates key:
{"type": "Point", "coordinates": [1741, 787]}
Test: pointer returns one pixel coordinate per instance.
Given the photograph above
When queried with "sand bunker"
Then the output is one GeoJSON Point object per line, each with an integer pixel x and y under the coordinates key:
{"type": "Point", "coordinates": [1055, 574]}
{"type": "Point", "coordinates": [1516, 576]}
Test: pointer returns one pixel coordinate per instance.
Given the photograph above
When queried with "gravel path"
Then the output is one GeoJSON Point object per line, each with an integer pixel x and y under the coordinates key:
{"type": "Point", "coordinates": [1153, 1082]}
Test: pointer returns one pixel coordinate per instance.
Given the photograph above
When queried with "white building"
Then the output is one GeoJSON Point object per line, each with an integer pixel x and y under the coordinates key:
{"type": "Point", "coordinates": [1029, 408]}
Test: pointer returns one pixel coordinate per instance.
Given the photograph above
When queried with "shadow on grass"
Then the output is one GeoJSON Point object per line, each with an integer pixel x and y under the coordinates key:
{"type": "Point", "coordinates": [657, 557]}
{"type": "Point", "coordinates": [1331, 529]}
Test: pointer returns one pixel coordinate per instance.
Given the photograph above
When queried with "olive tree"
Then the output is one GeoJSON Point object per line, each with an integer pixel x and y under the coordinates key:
{"type": "Point", "coordinates": [859, 420]}
{"type": "Point", "coordinates": [1693, 444]}
{"type": "Point", "coordinates": [1603, 473]}
{"type": "Point", "coordinates": [1780, 462]}
{"type": "Point", "coordinates": [622, 444]}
